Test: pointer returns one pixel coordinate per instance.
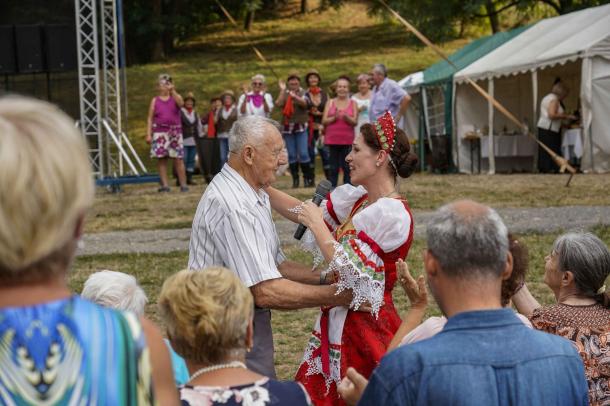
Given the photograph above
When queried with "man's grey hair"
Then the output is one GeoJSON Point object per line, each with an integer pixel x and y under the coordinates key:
{"type": "Point", "coordinates": [587, 257]}
{"type": "Point", "coordinates": [380, 68]}
{"type": "Point", "coordinates": [249, 130]}
{"type": "Point", "coordinates": [116, 290]}
{"type": "Point", "coordinates": [468, 244]}
{"type": "Point", "coordinates": [258, 76]}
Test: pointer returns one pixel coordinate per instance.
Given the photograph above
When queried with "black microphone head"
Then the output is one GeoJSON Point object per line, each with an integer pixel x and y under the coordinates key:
{"type": "Point", "coordinates": [323, 188]}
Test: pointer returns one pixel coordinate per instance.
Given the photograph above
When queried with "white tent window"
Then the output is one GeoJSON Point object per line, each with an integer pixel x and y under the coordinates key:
{"type": "Point", "coordinates": [435, 110]}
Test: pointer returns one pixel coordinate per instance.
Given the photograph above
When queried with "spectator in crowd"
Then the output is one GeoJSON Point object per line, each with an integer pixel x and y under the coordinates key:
{"type": "Point", "coordinates": [316, 102]}
{"type": "Point", "coordinates": [191, 130]}
{"type": "Point", "coordinates": [411, 331]}
{"type": "Point", "coordinates": [387, 95]}
{"type": "Point", "coordinates": [209, 317]}
{"type": "Point", "coordinates": [576, 270]}
{"type": "Point", "coordinates": [53, 342]}
{"type": "Point", "coordinates": [255, 100]}
{"type": "Point", "coordinates": [295, 117]}
{"type": "Point", "coordinates": [549, 125]}
{"type": "Point", "coordinates": [120, 291]}
{"type": "Point", "coordinates": [484, 354]}
{"type": "Point", "coordinates": [208, 149]}
{"type": "Point", "coordinates": [225, 117]}
{"type": "Point", "coordinates": [164, 131]}
{"type": "Point", "coordinates": [363, 100]}
{"type": "Point", "coordinates": [340, 117]}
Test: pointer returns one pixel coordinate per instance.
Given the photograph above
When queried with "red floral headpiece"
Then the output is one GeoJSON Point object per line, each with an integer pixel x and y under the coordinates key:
{"type": "Point", "coordinates": [386, 131]}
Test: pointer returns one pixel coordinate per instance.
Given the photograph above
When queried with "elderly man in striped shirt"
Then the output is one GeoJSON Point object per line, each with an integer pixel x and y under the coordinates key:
{"type": "Point", "coordinates": [233, 228]}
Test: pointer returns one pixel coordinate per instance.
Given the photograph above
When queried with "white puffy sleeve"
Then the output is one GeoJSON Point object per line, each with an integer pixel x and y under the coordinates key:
{"type": "Point", "coordinates": [339, 203]}
{"type": "Point", "coordinates": [380, 229]}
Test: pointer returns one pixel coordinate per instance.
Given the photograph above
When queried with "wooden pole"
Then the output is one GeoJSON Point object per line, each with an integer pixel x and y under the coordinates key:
{"type": "Point", "coordinates": [243, 34]}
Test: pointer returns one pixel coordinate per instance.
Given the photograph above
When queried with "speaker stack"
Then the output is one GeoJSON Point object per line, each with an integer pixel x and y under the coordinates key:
{"type": "Point", "coordinates": [37, 49]}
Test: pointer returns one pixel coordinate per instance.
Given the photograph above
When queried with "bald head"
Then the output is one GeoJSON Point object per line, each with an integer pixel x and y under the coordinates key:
{"type": "Point", "coordinates": [468, 240]}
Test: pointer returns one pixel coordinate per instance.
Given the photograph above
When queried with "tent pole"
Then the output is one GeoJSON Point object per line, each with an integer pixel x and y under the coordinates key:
{"type": "Point", "coordinates": [535, 116]}
{"type": "Point", "coordinates": [490, 123]}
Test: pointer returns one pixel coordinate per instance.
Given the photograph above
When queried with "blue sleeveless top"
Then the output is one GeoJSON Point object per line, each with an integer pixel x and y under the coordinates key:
{"type": "Point", "coordinates": [72, 351]}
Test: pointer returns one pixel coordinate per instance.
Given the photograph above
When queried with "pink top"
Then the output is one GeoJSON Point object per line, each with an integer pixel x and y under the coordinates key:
{"type": "Point", "coordinates": [166, 114]}
{"type": "Point", "coordinates": [339, 132]}
{"type": "Point", "coordinates": [434, 325]}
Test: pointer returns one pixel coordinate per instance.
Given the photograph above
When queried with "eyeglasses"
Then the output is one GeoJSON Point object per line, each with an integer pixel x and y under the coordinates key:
{"type": "Point", "coordinates": [257, 84]}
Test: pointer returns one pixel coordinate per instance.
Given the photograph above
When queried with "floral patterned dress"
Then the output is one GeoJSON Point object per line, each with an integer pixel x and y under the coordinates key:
{"type": "Point", "coordinates": [588, 327]}
{"type": "Point", "coordinates": [370, 238]}
{"type": "Point", "coordinates": [260, 393]}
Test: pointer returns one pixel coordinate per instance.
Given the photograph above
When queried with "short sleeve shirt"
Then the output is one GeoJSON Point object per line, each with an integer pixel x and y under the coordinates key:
{"type": "Point", "coordinates": [386, 96]}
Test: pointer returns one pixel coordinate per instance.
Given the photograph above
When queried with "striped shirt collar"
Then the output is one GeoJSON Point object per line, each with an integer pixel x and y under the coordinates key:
{"type": "Point", "coordinates": [250, 195]}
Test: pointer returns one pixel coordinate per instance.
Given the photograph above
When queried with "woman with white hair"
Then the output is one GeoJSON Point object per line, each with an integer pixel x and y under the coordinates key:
{"type": "Point", "coordinates": [255, 101]}
{"type": "Point", "coordinates": [576, 271]}
{"type": "Point", "coordinates": [56, 347]}
{"type": "Point", "coordinates": [209, 316]}
{"type": "Point", "coordinates": [120, 291]}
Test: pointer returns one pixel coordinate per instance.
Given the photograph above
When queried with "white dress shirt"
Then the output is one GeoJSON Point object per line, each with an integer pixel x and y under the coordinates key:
{"type": "Point", "coordinates": [233, 228]}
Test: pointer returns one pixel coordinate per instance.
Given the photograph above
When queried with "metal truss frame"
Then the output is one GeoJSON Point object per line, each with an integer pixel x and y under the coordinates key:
{"type": "Point", "coordinates": [101, 88]}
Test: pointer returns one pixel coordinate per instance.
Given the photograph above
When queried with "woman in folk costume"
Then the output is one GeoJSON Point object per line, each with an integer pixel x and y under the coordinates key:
{"type": "Point", "coordinates": [361, 231]}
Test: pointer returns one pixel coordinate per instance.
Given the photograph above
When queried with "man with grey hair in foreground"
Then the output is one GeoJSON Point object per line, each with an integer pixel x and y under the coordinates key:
{"type": "Point", "coordinates": [484, 354]}
{"type": "Point", "coordinates": [233, 228]}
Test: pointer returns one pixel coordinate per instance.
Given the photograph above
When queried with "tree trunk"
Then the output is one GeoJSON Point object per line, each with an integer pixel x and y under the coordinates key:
{"type": "Point", "coordinates": [303, 6]}
{"type": "Point", "coordinates": [157, 52]}
{"type": "Point", "coordinates": [490, 7]}
{"type": "Point", "coordinates": [249, 20]}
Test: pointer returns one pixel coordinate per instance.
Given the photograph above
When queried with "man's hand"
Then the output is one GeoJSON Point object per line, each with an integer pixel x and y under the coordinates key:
{"type": "Point", "coordinates": [352, 386]}
{"type": "Point", "coordinates": [415, 290]}
{"type": "Point", "coordinates": [282, 85]}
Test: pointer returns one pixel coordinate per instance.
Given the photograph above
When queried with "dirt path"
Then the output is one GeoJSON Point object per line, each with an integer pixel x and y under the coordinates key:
{"type": "Point", "coordinates": [519, 220]}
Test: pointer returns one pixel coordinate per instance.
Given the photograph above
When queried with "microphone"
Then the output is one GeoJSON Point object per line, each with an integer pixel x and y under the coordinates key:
{"type": "Point", "coordinates": [319, 195]}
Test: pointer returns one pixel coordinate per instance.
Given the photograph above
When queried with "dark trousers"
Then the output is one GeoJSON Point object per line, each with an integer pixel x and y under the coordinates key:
{"type": "Point", "coordinates": [552, 140]}
{"type": "Point", "coordinates": [260, 359]}
{"type": "Point", "coordinates": [209, 156]}
{"type": "Point", "coordinates": [338, 153]}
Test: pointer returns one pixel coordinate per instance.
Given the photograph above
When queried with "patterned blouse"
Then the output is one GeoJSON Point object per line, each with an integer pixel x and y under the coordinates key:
{"type": "Point", "coordinates": [260, 393]}
{"type": "Point", "coordinates": [588, 327]}
{"type": "Point", "coordinates": [72, 352]}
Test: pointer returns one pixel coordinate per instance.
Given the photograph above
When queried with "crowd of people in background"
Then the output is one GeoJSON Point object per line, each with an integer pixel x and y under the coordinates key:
{"type": "Point", "coordinates": [315, 122]}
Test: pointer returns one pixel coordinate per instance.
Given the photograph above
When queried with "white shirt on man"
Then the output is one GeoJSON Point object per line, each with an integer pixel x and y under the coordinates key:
{"type": "Point", "coordinates": [251, 109]}
{"type": "Point", "coordinates": [233, 228]}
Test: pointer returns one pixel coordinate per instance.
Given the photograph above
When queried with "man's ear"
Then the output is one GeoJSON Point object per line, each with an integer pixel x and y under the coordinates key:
{"type": "Point", "coordinates": [508, 269]}
{"type": "Point", "coordinates": [248, 154]}
{"type": "Point", "coordinates": [431, 265]}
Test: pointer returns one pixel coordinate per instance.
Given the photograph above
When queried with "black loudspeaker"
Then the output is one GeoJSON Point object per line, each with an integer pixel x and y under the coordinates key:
{"type": "Point", "coordinates": [30, 57]}
{"type": "Point", "coordinates": [60, 47]}
{"type": "Point", "coordinates": [8, 65]}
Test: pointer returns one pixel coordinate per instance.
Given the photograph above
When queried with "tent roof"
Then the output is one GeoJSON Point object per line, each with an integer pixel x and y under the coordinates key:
{"type": "Point", "coordinates": [412, 82]}
{"type": "Point", "coordinates": [549, 42]}
{"type": "Point", "coordinates": [442, 71]}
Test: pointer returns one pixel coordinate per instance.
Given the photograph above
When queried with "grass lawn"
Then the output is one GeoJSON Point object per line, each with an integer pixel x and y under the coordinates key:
{"type": "Point", "coordinates": [292, 328]}
{"type": "Point", "coordinates": [141, 207]}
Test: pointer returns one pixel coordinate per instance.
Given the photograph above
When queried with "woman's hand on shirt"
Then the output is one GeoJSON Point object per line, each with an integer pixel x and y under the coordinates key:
{"type": "Point", "coordinates": [414, 289]}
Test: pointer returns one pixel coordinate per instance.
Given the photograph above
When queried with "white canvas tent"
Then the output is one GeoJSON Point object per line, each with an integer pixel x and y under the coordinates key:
{"type": "Point", "coordinates": [575, 47]}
